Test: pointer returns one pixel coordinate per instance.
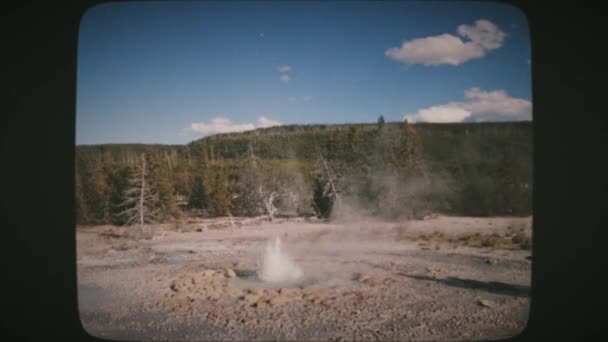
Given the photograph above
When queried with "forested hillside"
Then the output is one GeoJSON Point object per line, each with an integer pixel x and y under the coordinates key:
{"type": "Point", "coordinates": [386, 169]}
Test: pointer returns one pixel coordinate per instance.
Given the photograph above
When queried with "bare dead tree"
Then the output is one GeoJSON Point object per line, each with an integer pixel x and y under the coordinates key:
{"type": "Point", "coordinates": [268, 201]}
{"type": "Point", "coordinates": [329, 186]}
{"type": "Point", "coordinates": [141, 203]}
{"type": "Point", "coordinates": [332, 185]}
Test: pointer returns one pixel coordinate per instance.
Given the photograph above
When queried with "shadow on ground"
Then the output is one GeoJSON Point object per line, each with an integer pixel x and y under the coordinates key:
{"type": "Point", "coordinates": [488, 286]}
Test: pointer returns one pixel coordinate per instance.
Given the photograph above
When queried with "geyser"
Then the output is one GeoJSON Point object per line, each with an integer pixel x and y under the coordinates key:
{"type": "Point", "coordinates": [277, 266]}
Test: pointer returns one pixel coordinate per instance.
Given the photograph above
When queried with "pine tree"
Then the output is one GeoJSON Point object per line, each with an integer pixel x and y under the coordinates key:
{"type": "Point", "coordinates": [82, 209]}
{"type": "Point", "coordinates": [381, 121]}
{"type": "Point", "coordinates": [119, 183]}
{"type": "Point", "coordinates": [411, 154]}
{"type": "Point", "coordinates": [159, 176]}
{"type": "Point", "coordinates": [198, 197]}
{"type": "Point", "coordinates": [250, 202]}
{"type": "Point", "coordinates": [219, 195]}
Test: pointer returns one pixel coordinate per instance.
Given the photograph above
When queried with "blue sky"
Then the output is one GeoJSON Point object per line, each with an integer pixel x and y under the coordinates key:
{"type": "Point", "coordinates": [172, 72]}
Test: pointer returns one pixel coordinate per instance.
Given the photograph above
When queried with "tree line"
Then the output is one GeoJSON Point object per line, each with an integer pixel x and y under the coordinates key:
{"type": "Point", "coordinates": [387, 169]}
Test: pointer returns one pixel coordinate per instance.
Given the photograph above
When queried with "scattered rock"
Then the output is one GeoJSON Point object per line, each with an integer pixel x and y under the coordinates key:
{"type": "Point", "coordinates": [316, 300]}
{"type": "Point", "coordinates": [313, 295]}
{"type": "Point", "coordinates": [361, 277]}
{"type": "Point", "coordinates": [208, 273]}
{"type": "Point", "coordinates": [199, 229]}
{"type": "Point", "coordinates": [278, 300]}
{"type": "Point", "coordinates": [288, 292]}
{"type": "Point", "coordinates": [271, 292]}
{"type": "Point", "coordinates": [490, 262]}
{"type": "Point", "coordinates": [486, 303]}
{"type": "Point", "coordinates": [233, 291]}
{"type": "Point", "coordinates": [373, 281]}
{"type": "Point", "coordinates": [389, 281]}
{"type": "Point", "coordinates": [229, 272]}
{"type": "Point", "coordinates": [256, 291]}
{"type": "Point", "coordinates": [358, 294]}
{"type": "Point", "coordinates": [250, 298]}
{"type": "Point", "coordinates": [311, 291]}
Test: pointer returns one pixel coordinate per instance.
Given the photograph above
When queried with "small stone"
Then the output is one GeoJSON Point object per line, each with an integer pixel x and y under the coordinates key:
{"type": "Point", "coordinates": [486, 303]}
{"type": "Point", "coordinates": [208, 273]}
{"type": "Point", "coordinates": [256, 291]}
{"type": "Point", "coordinates": [278, 300]}
{"type": "Point", "coordinates": [362, 277]}
{"type": "Point", "coordinates": [271, 292]}
{"type": "Point", "coordinates": [250, 298]}
{"type": "Point", "coordinates": [288, 292]}
{"type": "Point", "coordinates": [229, 272]}
{"type": "Point", "coordinates": [233, 291]}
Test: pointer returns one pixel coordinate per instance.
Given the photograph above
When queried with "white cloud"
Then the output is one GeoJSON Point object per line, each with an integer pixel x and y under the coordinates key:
{"type": "Point", "coordinates": [220, 125]}
{"type": "Point", "coordinates": [480, 106]}
{"type": "Point", "coordinates": [285, 78]}
{"type": "Point", "coordinates": [484, 33]}
{"type": "Point", "coordinates": [441, 113]}
{"type": "Point", "coordinates": [307, 98]}
{"type": "Point", "coordinates": [450, 49]}
{"type": "Point", "coordinates": [283, 68]}
{"type": "Point", "coordinates": [266, 122]}
{"type": "Point", "coordinates": [291, 99]}
{"type": "Point", "coordinates": [224, 125]}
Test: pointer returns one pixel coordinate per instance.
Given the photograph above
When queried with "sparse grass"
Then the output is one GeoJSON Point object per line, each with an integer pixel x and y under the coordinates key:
{"type": "Point", "coordinates": [123, 246]}
{"type": "Point", "coordinates": [316, 236]}
{"type": "Point", "coordinates": [493, 240]}
{"type": "Point", "coordinates": [476, 240]}
{"type": "Point", "coordinates": [401, 232]}
{"type": "Point", "coordinates": [490, 241]}
{"type": "Point", "coordinates": [523, 240]}
{"type": "Point", "coordinates": [111, 235]}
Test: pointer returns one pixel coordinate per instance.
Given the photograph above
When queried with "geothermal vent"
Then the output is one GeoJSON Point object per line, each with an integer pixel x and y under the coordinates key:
{"type": "Point", "coordinates": [277, 266]}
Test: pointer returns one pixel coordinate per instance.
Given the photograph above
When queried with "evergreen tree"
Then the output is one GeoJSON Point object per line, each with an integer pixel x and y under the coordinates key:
{"type": "Point", "coordinates": [160, 180]}
{"type": "Point", "coordinates": [198, 197]}
{"type": "Point", "coordinates": [119, 183]}
{"type": "Point", "coordinates": [411, 155]}
{"type": "Point", "coordinates": [322, 201]}
{"type": "Point", "coordinates": [219, 195]}
{"type": "Point", "coordinates": [82, 210]}
{"type": "Point", "coordinates": [381, 121]}
{"type": "Point", "coordinates": [249, 201]}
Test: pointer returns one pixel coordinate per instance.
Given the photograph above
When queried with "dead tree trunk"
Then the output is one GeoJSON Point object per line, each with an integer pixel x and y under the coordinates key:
{"type": "Point", "coordinates": [268, 200]}
{"type": "Point", "coordinates": [331, 189]}
{"type": "Point", "coordinates": [141, 199]}
{"type": "Point", "coordinates": [142, 191]}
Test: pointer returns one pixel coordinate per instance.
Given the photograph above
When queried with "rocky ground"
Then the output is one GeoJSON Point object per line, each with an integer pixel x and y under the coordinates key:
{"type": "Point", "coordinates": [443, 278]}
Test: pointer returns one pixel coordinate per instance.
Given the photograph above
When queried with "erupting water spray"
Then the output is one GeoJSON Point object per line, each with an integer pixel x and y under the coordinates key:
{"type": "Point", "coordinates": [277, 266]}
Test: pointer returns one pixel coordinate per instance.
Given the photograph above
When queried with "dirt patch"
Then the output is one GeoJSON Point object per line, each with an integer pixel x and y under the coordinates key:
{"type": "Point", "coordinates": [436, 279]}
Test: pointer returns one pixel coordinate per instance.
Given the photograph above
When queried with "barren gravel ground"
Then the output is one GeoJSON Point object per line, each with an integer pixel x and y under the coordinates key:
{"type": "Point", "coordinates": [444, 278]}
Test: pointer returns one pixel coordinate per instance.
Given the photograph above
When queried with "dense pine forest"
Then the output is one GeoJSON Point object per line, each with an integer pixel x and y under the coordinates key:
{"type": "Point", "coordinates": [390, 170]}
